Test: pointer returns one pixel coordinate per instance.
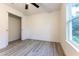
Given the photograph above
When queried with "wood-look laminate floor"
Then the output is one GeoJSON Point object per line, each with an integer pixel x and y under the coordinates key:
{"type": "Point", "coordinates": [32, 48]}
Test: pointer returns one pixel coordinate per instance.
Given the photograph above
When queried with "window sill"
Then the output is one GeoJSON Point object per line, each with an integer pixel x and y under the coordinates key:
{"type": "Point", "coordinates": [73, 45]}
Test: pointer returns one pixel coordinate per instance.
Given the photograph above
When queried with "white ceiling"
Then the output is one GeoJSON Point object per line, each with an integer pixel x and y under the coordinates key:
{"type": "Point", "coordinates": [44, 7]}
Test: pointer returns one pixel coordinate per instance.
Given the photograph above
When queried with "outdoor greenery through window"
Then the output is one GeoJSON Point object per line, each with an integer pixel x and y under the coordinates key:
{"type": "Point", "coordinates": [72, 25]}
{"type": "Point", "coordinates": [75, 22]}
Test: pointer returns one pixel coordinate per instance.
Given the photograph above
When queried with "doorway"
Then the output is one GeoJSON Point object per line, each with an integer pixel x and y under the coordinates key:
{"type": "Point", "coordinates": [14, 27]}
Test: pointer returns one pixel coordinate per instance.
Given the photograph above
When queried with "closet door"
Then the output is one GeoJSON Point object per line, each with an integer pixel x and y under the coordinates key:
{"type": "Point", "coordinates": [14, 28]}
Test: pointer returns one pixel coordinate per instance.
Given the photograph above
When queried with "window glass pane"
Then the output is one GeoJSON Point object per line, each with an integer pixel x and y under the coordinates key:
{"type": "Point", "coordinates": [75, 22]}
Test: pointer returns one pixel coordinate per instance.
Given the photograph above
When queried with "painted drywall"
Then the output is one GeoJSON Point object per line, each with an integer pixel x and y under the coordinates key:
{"type": "Point", "coordinates": [68, 49]}
{"type": "Point", "coordinates": [26, 30]}
{"type": "Point", "coordinates": [4, 23]}
{"type": "Point", "coordinates": [3, 28]}
{"type": "Point", "coordinates": [43, 26]}
{"type": "Point", "coordinates": [14, 27]}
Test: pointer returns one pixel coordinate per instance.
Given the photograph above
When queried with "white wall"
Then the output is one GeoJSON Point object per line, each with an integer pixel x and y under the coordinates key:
{"type": "Point", "coordinates": [25, 28]}
{"type": "Point", "coordinates": [3, 28]}
{"type": "Point", "coordinates": [14, 27]}
{"type": "Point", "coordinates": [4, 23]}
{"type": "Point", "coordinates": [68, 49]}
{"type": "Point", "coordinates": [43, 26]}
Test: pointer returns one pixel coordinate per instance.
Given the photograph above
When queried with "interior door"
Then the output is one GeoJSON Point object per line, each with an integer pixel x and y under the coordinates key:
{"type": "Point", "coordinates": [14, 27]}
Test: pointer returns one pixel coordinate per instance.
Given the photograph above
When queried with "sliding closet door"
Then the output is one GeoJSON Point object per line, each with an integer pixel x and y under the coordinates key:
{"type": "Point", "coordinates": [14, 27]}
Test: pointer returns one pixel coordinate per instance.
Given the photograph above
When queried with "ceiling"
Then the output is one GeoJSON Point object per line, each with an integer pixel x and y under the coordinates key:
{"type": "Point", "coordinates": [44, 7]}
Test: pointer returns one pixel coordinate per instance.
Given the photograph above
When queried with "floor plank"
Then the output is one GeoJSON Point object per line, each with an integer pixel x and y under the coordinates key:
{"type": "Point", "coordinates": [32, 48]}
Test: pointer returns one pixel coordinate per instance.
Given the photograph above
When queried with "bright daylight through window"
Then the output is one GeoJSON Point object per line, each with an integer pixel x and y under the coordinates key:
{"type": "Point", "coordinates": [75, 23]}
{"type": "Point", "coordinates": [72, 23]}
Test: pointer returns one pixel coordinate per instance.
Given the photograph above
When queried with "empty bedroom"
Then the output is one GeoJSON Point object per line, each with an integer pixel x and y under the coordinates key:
{"type": "Point", "coordinates": [39, 29]}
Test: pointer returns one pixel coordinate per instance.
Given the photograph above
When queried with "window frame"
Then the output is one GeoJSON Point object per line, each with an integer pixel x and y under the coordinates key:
{"type": "Point", "coordinates": [69, 28]}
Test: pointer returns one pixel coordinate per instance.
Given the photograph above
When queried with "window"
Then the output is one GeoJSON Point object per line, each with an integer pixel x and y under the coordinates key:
{"type": "Point", "coordinates": [72, 24]}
